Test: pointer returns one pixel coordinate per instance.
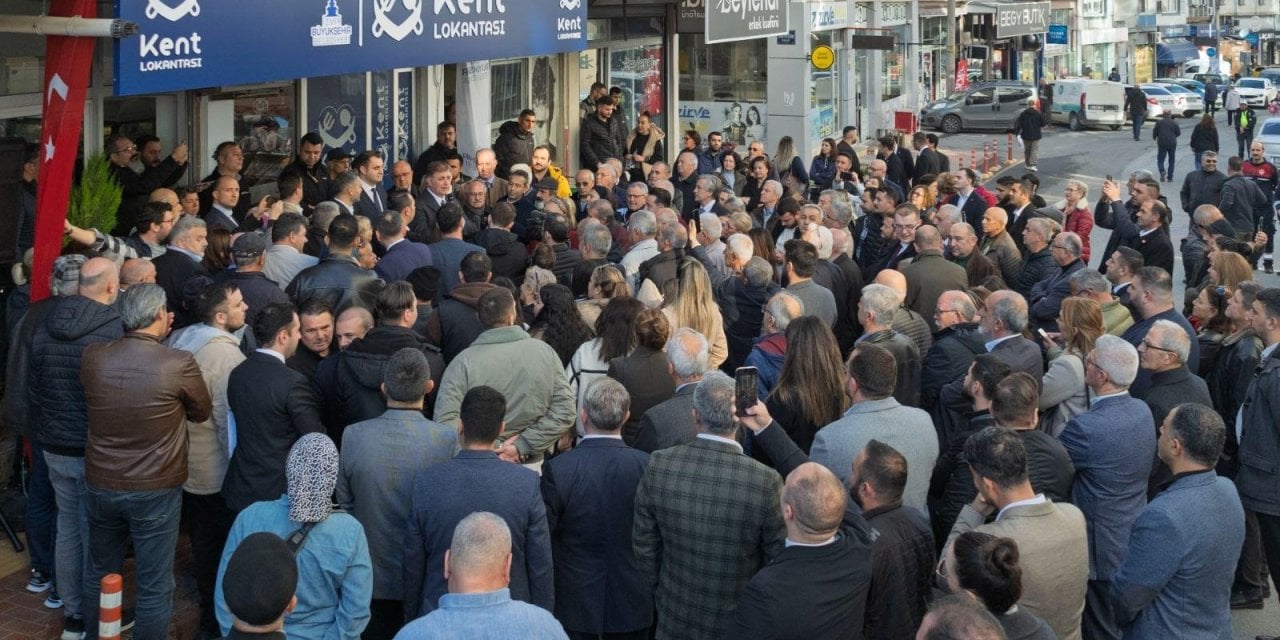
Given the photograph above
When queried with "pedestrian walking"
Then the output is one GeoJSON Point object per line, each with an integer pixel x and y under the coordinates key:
{"type": "Point", "coordinates": [1211, 99]}
{"type": "Point", "coordinates": [1166, 133]}
{"type": "Point", "coordinates": [1029, 128]}
{"type": "Point", "coordinates": [1135, 104]}
{"type": "Point", "coordinates": [1231, 102]}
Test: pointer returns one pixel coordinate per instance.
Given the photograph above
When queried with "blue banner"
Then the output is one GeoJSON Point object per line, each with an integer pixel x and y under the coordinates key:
{"type": "Point", "coordinates": [191, 44]}
{"type": "Point", "coordinates": [1057, 34]}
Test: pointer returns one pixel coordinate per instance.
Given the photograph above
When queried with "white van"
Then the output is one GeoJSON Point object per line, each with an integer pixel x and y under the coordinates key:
{"type": "Point", "coordinates": [1202, 66]}
{"type": "Point", "coordinates": [1081, 102]}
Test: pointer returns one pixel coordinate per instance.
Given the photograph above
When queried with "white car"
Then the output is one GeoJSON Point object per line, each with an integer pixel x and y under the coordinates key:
{"type": "Point", "coordinates": [1258, 92]}
{"type": "Point", "coordinates": [1269, 135]}
{"type": "Point", "coordinates": [1195, 104]}
{"type": "Point", "coordinates": [1169, 102]}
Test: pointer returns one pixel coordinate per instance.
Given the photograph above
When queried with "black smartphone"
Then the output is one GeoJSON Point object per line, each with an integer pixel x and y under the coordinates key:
{"type": "Point", "coordinates": [1109, 178]}
{"type": "Point", "coordinates": [745, 390]}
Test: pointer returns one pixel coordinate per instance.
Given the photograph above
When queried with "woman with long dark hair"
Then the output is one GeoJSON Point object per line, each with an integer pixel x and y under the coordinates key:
{"type": "Point", "coordinates": [823, 168]}
{"type": "Point", "coordinates": [732, 172]}
{"type": "Point", "coordinates": [558, 323]}
{"type": "Point", "coordinates": [217, 255]}
{"type": "Point", "coordinates": [615, 337]}
{"type": "Point", "coordinates": [810, 390]}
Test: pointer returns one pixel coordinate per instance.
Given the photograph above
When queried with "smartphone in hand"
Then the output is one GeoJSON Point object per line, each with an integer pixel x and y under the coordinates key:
{"type": "Point", "coordinates": [746, 383]}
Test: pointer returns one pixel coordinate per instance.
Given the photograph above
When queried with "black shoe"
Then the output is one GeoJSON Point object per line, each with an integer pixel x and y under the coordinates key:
{"type": "Point", "coordinates": [1268, 265]}
{"type": "Point", "coordinates": [1241, 600]}
{"type": "Point", "coordinates": [128, 618]}
{"type": "Point", "coordinates": [72, 628]}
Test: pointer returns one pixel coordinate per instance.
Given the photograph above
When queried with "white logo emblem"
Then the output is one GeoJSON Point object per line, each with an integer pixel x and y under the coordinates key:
{"type": "Point", "coordinates": [343, 116]}
{"type": "Point", "coordinates": [570, 5]}
{"type": "Point", "coordinates": [331, 31]}
{"type": "Point", "coordinates": [172, 14]}
{"type": "Point", "coordinates": [385, 25]}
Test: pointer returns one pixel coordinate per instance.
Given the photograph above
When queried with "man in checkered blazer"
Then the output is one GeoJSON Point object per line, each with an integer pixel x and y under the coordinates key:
{"type": "Point", "coordinates": [707, 518]}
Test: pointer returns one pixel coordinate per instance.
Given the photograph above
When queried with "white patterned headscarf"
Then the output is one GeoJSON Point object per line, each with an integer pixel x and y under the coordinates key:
{"type": "Point", "coordinates": [312, 474]}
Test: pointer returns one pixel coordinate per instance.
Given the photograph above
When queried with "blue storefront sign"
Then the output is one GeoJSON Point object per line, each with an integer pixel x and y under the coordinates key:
{"type": "Point", "coordinates": [190, 44]}
{"type": "Point", "coordinates": [1057, 34]}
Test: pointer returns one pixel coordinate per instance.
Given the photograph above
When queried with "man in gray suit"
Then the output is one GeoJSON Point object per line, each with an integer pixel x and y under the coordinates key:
{"type": "Point", "coordinates": [1175, 581]}
{"type": "Point", "coordinates": [1052, 549]}
{"type": "Point", "coordinates": [869, 380]}
{"type": "Point", "coordinates": [380, 458]}
{"type": "Point", "coordinates": [284, 258]}
{"type": "Point", "coordinates": [1113, 446]}
{"type": "Point", "coordinates": [670, 422]}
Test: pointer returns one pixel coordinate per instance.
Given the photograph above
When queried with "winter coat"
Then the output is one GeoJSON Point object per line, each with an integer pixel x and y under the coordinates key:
{"type": "Point", "coordinates": [53, 383]}
{"type": "Point", "coordinates": [1029, 125]}
{"type": "Point", "coordinates": [217, 353]}
{"type": "Point", "coordinates": [767, 357]}
{"type": "Point", "coordinates": [361, 369]}
{"type": "Point", "coordinates": [596, 142]}
{"type": "Point", "coordinates": [506, 252]}
{"type": "Point", "coordinates": [1166, 133]}
{"type": "Point", "coordinates": [1204, 139]}
{"type": "Point", "coordinates": [513, 146]}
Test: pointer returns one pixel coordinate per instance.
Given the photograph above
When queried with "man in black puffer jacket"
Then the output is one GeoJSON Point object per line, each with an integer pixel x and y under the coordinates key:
{"type": "Point", "coordinates": [360, 367]}
{"type": "Point", "coordinates": [956, 343]}
{"type": "Point", "coordinates": [455, 325]}
{"type": "Point", "coordinates": [57, 399]}
{"type": "Point", "coordinates": [515, 142]}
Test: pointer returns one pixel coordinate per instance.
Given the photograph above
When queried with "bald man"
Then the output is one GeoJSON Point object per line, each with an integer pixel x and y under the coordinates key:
{"type": "Point", "coordinates": [930, 274]}
{"type": "Point", "coordinates": [999, 247]}
{"type": "Point", "coordinates": [58, 404]}
{"type": "Point", "coordinates": [906, 320]}
{"type": "Point", "coordinates": [817, 586]}
{"type": "Point", "coordinates": [486, 165]}
{"type": "Point", "coordinates": [137, 271]}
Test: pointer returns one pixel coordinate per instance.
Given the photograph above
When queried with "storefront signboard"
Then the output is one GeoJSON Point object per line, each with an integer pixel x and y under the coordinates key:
{"type": "Point", "coordinates": [729, 20]}
{"type": "Point", "coordinates": [189, 44]}
{"type": "Point", "coordinates": [824, 16]}
{"type": "Point", "coordinates": [740, 122]}
{"type": "Point", "coordinates": [1021, 18]}
{"type": "Point", "coordinates": [1057, 34]}
{"type": "Point", "coordinates": [1093, 8]}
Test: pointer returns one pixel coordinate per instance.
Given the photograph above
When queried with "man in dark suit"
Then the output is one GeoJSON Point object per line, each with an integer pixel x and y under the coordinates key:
{"type": "Point", "coordinates": [437, 190]}
{"type": "Point", "coordinates": [369, 168]}
{"type": "Point", "coordinates": [221, 212]}
{"type": "Point", "coordinates": [1047, 295]}
{"type": "Point", "coordinates": [927, 162]}
{"type": "Point", "coordinates": [187, 243]}
{"type": "Point", "coordinates": [273, 406]}
{"type": "Point", "coordinates": [1141, 224]}
{"type": "Point", "coordinates": [402, 256]}
{"type": "Point", "coordinates": [1175, 579]}
{"type": "Point", "coordinates": [817, 587]}
{"type": "Point", "coordinates": [230, 162]}
{"type": "Point", "coordinates": [899, 165]}
{"type": "Point", "coordinates": [590, 496]}
{"type": "Point", "coordinates": [670, 422]}
{"type": "Point", "coordinates": [906, 219]}
{"type": "Point", "coordinates": [480, 481]}
{"type": "Point", "coordinates": [1015, 199]}
{"type": "Point", "coordinates": [1112, 446]}
{"type": "Point", "coordinates": [1151, 297]}
{"type": "Point", "coordinates": [968, 199]}
{"type": "Point", "coordinates": [700, 560]}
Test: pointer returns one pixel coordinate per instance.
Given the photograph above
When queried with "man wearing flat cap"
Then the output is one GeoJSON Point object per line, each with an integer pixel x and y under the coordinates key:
{"type": "Point", "coordinates": [259, 587]}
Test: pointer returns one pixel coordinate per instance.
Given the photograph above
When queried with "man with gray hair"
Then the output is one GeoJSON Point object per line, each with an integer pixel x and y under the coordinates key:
{"type": "Point", "coordinates": [136, 461]}
{"type": "Point", "coordinates": [1089, 283]}
{"type": "Point", "coordinates": [1047, 295]}
{"type": "Point", "coordinates": [187, 243]}
{"type": "Point", "coordinates": [709, 237]}
{"type": "Point", "coordinates": [643, 227]}
{"type": "Point", "coordinates": [875, 313]}
{"type": "Point", "coordinates": [590, 493]}
{"type": "Point", "coordinates": [670, 422]}
{"type": "Point", "coordinates": [477, 566]}
{"type": "Point", "coordinates": [1151, 295]}
{"type": "Point", "coordinates": [1112, 446]}
{"type": "Point", "coordinates": [657, 275]}
{"type": "Point", "coordinates": [955, 344]}
{"type": "Point", "coordinates": [700, 561]}
{"type": "Point", "coordinates": [1163, 353]}
{"type": "Point", "coordinates": [770, 349]}
{"type": "Point", "coordinates": [403, 440]}
{"type": "Point", "coordinates": [319, 229]}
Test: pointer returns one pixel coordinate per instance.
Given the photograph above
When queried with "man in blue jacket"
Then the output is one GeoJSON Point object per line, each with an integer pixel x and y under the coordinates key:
{"type": "Point", "coordinates": [1176, 577]}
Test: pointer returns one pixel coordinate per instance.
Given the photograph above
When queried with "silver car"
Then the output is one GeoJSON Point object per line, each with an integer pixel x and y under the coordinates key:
{"type": "Point", "coordinates": [1269, 135]}
{"type": "Point", "coordinates": [1195, 103]}
{"type": "Point", "coordinates": [1169, 102]}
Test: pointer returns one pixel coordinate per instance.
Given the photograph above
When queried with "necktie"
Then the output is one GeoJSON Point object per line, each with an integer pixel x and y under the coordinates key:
{"type": "Point", "coordinates": [377, 200]}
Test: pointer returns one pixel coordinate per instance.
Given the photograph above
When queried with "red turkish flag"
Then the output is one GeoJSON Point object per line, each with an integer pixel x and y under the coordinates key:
{"type": "Point", "coordinates": [66, 80]}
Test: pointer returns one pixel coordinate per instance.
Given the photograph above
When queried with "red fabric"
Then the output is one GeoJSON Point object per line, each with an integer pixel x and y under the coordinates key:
{"type": "Point", "coordinates": [1080, 222]}
{"type": "Point", "coordinates": [66, 79]}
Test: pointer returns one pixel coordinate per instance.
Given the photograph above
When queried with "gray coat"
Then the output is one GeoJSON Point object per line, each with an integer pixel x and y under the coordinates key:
{"type": "Point", "coordinates": [380, 458]}
{"type": "Point", "coordinates": [284, 263]}
{"type": "Point", "coordinates": [668, 423]}
{"type": "Point", "coordinates": [908, 430]}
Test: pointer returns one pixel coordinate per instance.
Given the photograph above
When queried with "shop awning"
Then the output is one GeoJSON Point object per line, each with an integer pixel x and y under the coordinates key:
{"type": "Point", "coordinates": [1176, 51]}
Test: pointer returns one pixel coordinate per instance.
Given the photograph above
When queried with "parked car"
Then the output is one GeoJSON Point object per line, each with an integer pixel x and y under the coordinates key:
{"type": "Point", "coordinates": [1194, 102]}
{"type": "Point", "coordinates": [1202, 65]}
{"type": "Point", "coordinates": [1272, 74]}
{"type": "Point", "coordinates": [1258, 92]}
{"type": "Point", "coordinates": [1154, 110]}
{"type": "Point", "coordinates": [1171, 102]}
{"type": "Point", "coordinates": [1082, 102]}
{"type": "Point", "coordinates": [987, 105]}
{"type": "Point", "coordinates": [1186, 83]}
{"type": "Point", "coordinates": [1218, 80]}
{"type": "Point", "coordinates": [1269, 135]}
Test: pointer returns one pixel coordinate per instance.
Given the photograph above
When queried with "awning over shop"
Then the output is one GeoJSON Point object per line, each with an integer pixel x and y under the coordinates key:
{"type": "Point", "coordinates": [1176, 51]}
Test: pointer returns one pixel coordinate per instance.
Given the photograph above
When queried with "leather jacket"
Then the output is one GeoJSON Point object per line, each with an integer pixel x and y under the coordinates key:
{"type": "Point", "coordinates": [337, 279]}
{"type": "Point", "coordinates": [139, 395]}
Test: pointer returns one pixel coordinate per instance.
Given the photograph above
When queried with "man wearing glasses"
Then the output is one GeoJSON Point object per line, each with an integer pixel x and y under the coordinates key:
{"type": "Point", "coordinates": [138, 187]}
{"type": "Point", "coordinates": [1164, 354]}
{"type": "Point", "coordinates": [906, 219]}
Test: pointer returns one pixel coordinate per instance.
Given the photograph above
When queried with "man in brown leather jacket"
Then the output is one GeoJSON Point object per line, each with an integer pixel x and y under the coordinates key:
{"type": "Point", "coordinates": [139, 395]}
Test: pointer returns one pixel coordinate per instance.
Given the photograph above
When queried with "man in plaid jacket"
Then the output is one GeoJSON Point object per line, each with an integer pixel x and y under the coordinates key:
{"type": "Point", "coordinates": [707, 518]}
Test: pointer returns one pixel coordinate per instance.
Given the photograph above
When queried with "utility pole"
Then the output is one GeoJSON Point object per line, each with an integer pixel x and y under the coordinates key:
{"type": "Point", "coordinates": [1214, 65]}
{"type": "Point", "coordinates": [952, 55]}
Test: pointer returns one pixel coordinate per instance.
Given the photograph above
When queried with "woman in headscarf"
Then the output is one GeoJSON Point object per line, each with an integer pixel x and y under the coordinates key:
{"type": "Point", "coordinates": [335, 574]}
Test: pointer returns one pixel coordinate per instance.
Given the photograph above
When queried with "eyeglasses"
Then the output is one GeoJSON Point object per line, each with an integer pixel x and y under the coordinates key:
{"type": "Point", "coordinates": [905, 227]}
{"type": "Point", "coordinates": [129, 149]}
{"type": "Point", "coordinates": [1147, 344]}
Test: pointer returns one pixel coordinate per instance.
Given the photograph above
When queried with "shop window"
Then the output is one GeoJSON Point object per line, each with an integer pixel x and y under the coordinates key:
{"type": "Point", "coordinates": [510, 86]}
{"type": "Point", "coordinates": [895, 65]}
{"type": "Point", "coordinates": [263, 122]}
{"type": "Point", "coordinates": [723, 87]}
{"type": "Point", "coordinates": [638, 72]}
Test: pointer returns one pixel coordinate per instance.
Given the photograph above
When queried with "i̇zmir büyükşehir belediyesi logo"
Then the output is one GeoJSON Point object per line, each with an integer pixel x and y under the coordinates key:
{"type": "Point", "coordinates": [330, 32]}
{"type": "Point", "coordinates": [167, 53]}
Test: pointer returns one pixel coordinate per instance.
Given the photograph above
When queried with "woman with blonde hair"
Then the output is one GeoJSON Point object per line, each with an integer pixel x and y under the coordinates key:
{"type": "Point", "coordinates": [1229, 269]}
{"type": "Point", "coordinates": [694, 306]}
{"type": "Point", "coordinates": [1063, 393]}
{"type": "Point", "coordinates": [791, 171]}
{"type": "Point", "coordinates": [922, 197]}
{"type": "Point", "coordinates": [607, 282]}
{"type": "Point", "coordinates": [364, 244]}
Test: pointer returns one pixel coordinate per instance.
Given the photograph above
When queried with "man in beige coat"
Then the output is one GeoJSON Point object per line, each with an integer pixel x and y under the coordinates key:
{"type": "Point", "coordinates": [1052, 546]}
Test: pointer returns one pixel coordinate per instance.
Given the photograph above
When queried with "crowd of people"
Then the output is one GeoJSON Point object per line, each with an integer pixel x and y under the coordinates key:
{"type": "Point", "coordinates": [505, 406]}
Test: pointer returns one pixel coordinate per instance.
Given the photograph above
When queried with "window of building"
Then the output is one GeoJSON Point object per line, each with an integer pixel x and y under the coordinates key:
{"type": "Point", "coordinates": [723, 87]}
{"type": "Point", "coordinates": [510, 86]}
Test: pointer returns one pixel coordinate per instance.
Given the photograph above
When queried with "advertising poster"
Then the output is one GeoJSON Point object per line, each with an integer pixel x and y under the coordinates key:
{"type": "Point", "coordinates": [740, 122]}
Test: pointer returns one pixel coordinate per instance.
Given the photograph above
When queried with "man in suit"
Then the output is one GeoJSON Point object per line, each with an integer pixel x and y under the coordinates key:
{"type": "Point", "coordinates": [1146, 229]}
{"type": "Point", "coordinates": [481, 481]}
{"type": "Point", "coordinates": [869, 377]}
{"type": "Point", "coordinates": [1163, 353]}
{"type": "Point", "coordinates": [338, 278]}
{"type": "Point", "coordinates": [229, 160]}
{"type": "Point", "coordinates": [272, 405]}
{"type": "Point", "coordinates": [670, 422]}
{"type": "Point", "coordinates": [372, 202]}
{"type": "Point", "coordinates": [347, 191]}
{"type": "Point", "coordinates": [1047, 295]}
{"type": "Point", "coordinates": [817, 587]}
{"type": "Point", "coordinates": [1151, 294]}
{"type": "Point", "coordinates": [899, 165]}
{"type": "Point", "coordinates": [704, 197]}
{"type": "Point", "coordinates": [1052, 547]}
{"type": "Point", "coordinates": [402, 256]}
{"type": "Point", "coordinates": [590, 495]}
{"type": "Point", "coordinates": [1003, 318]}
{"type": "Point", "coordinates": [380, 459]}
{"type": "Point", "coordinates": [1015, 199]}
{"type": "Point", "coordinates": [906, 220]}
{"type": "Point", "coordinates": [221, 211]}
{"type": "Point", "coordinates": [486, 166]}
{"type": "Point", "coordinates": [1120, 267]}
{"type": "Point", "coordinates": [1112, 446]}
{"type": "Point", "coordinates": [927, 162]}
{"type": "Point", "coordinates": [929, 274]}
{"type": "Point", "coordinates": [1175, 580]}
{"type": "Point", "coordinates": [968, 199]}
{"type": "Point", "coordinates": [284, 258]}
{"type": "Point", "coordinates": [187, 243]}
{"type": "Point", "coordinates": [876, 309]}
{"type": "Point", "coordinates": [436, 192]}
{"type": "Point", "coordinates": [1257, 479]}
{"type": "Point", "coordinates": [700, 560]}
